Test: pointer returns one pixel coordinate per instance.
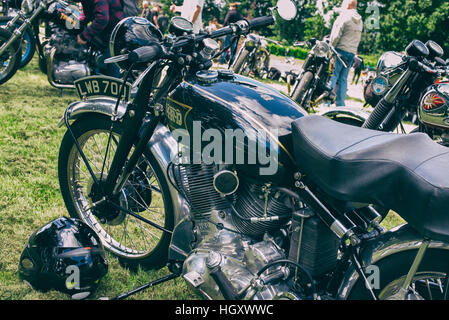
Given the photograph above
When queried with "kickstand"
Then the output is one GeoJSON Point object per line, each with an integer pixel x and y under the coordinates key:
{"type": "Point", "coordinates": [145, 286]}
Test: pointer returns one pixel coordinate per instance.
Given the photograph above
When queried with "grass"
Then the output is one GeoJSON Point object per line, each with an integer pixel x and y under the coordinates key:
{"type": "Point", "coordinates": [30, 197]}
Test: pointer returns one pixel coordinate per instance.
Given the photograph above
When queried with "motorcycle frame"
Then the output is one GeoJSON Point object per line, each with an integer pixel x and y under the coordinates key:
{"type": "Point", "coordinates": [370, 252]}
{"type": "Point", "coordinates": [145, 105]}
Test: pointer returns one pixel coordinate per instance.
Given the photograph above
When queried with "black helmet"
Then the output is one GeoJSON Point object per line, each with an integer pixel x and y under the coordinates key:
{"type": "Point", "coordinates": [132, 33]}
{"type": "Point", "coordinates": [65, 255]}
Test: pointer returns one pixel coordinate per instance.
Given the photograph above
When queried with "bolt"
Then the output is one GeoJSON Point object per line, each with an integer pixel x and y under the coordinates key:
{"type": "Point", "coordinates": [222, 214]}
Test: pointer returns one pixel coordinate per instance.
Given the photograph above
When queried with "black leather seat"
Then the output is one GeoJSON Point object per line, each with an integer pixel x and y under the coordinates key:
{"type": "Point", "coordinates": [407, 173]}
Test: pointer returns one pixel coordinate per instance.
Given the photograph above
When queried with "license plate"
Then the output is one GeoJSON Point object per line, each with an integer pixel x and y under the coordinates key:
{"type": "Point", "coordinates": [102, 86]}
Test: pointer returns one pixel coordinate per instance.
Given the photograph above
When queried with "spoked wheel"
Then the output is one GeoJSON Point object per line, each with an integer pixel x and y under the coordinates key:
{"type": "Point", "coordinates": [11, 58]}
{"type": "Point", "coordinates": [429, 283]}
{"type": "Point", "coordinates": [424, 286]}
{"type": "Point", "coordinates": [145, 194]}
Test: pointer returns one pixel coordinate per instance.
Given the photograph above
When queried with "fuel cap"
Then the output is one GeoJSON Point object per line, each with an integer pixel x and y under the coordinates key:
{"type": "Point", "coordinates": [226, 73]}
{"type": "Point", "coordinates": [207, 76]}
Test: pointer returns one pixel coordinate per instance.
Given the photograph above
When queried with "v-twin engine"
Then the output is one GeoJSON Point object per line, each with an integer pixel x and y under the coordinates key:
{"type": "Point", "coordinates": [240, 238]}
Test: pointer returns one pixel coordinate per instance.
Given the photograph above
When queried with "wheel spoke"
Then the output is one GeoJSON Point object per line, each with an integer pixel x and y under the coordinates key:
{"type": "Point", "coordinates": [134, 235]}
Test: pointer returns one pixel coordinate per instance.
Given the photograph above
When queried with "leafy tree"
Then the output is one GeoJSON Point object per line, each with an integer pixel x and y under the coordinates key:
{"type": "Point", "coordinates": [405, 20]}
{"type": "Point", "coordinates": [388, 24]}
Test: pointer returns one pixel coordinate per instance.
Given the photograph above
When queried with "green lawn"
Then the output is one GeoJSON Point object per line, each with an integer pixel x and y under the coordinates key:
{"type": "Point", "coordinates": [29, 142]}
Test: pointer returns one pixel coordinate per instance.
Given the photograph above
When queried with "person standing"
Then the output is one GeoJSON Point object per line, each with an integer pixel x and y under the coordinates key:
{"type": "Point", "coordinates": [146, 10]}
{"type": "Point", "coordinates": [162, 20]}
{"type": "Point", "coordinates": [233, 16]}
{"type": "Point", "coordinates": [191, 10]}
{"type": "Point", "coordinates": [98, 19]}
{"type": "Point", "coordinates": [345, 37]}
{"type": "Point", "coordinates": [154, 14]}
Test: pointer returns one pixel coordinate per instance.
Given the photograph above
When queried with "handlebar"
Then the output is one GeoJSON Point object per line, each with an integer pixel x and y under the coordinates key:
{"type": "Point", "coordinates": [260, 22]}
{"type": "Point", "coordinates": [156, 51]}
{"type": "Point", "coordinates": [419, 66]}
{"type": "Point", "coordinates": [145, 54]}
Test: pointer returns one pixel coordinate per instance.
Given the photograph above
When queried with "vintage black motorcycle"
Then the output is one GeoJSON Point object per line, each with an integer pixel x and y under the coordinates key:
{"type": "Point", "coordinates": [314, 84]}
{"type": "Point", "coordinates": [60, 56]}
{"type": "Point", "coordinates": [406, 84]}
{"type": "Point", "coordinates": [232, 228]}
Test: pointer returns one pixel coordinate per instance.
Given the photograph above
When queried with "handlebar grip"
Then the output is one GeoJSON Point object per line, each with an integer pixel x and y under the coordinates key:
{"type": "Point", "coordinates": [145, 54]}
{"type": "Point", "coordinates": [260, 22]}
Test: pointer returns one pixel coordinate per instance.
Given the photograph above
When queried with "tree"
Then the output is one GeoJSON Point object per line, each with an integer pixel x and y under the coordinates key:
{"type": "Point", "coordinates": [402, 21]}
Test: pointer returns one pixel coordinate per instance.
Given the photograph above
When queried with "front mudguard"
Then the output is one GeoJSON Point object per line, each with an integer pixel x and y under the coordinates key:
{"type": "Point", "coordinates": [399, 239]}
{"type": "Point", "coordinates": [162, 144]}
{"type": "Point", "coordinates": [352, 115]}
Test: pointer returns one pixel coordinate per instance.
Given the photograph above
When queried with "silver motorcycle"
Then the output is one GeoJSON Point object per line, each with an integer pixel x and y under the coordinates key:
{"type": "Point", "coordinates": [60, 56]}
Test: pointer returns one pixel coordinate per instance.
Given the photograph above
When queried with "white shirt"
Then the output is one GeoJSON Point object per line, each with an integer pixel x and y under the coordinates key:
{"type": "Point", "coordinates": [188, 9]}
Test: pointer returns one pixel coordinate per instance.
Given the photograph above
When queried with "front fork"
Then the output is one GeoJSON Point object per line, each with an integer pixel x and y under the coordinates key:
{"type": "Point", "coordinates": [133, 130]}
{"type": "Point", "coordinates": [17, 33]}
{"type": "Point", "coordinates": [121, 167]}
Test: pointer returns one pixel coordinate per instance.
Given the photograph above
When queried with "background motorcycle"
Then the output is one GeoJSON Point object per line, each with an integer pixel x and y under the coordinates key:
{"type": "Point", "coordinates": [313, 85]}
{"type": "Point", "coordinates": [288, 76]}
{"type": "Point", "coordinates": [403, 86]}
{"type": "Point", "coordinates": [253, 57]}
{"type": "Point", "coordinates": [8, 10]}
{"type": "Point", "coordinates": [299, 233]}
{"type": "Point", "coordinates": [60, 56]}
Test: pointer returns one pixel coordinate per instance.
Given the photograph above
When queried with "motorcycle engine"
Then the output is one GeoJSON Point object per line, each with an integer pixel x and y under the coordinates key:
{"type": "Point", "coordinates": [67, 59]}
{"type": "Point", "coordinates": [238, 234]}
{"type": "Point", "coordinates": [66, 43]}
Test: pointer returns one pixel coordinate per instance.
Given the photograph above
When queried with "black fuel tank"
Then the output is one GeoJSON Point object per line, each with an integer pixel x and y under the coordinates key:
{"type": "Point", "coordinates": [223, 100]}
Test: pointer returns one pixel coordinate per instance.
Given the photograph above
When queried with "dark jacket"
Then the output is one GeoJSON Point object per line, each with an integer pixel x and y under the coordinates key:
{"type": "Point", "coordinates": [99, 18]}
{"type": "Point", "coordinates": [232, 17]}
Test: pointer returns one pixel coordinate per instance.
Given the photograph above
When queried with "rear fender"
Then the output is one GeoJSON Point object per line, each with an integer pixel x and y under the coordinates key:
{"type": "Point", "coordinates": [399, 239]}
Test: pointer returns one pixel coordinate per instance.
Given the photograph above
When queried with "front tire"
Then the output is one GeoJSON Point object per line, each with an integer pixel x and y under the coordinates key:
{"type": "Point", "coordinates": [146, 193]}
{"type": "Point", "coordinates": [301, 89]}
{"type": "Point", "coordinates": [237, 67]}
{"type": "Point", "coordinates": [11, 58]}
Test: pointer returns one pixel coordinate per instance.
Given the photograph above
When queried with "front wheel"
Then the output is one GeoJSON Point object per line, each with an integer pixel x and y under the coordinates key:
{"type": "Point", "coordinates": [11, 58]}
{"type": "Point", "coordinates": [145, 193]}
{"type": "Point", "coordinates": [429, 283]}
{"type": "Point", "coordinates": [238, 66]}
{"type": "Point", "coordinates": [301, 89]}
